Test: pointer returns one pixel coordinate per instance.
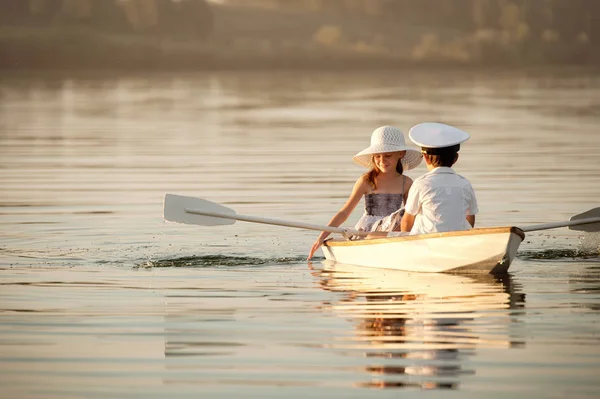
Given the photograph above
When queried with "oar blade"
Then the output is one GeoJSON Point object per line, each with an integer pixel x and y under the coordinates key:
{"type": "Point", "coordinates": [590, 227]}
{"type": "Point", "coordinates": [175, 211]}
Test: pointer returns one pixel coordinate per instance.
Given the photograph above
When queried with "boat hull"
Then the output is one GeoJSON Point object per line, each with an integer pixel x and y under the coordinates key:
{"type": "Point", "coordinates": [483, 250]}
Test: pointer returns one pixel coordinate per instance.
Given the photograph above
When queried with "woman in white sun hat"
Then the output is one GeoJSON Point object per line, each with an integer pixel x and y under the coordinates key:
{"type": "Point", "coordinates": [440, 200]}
{"type": "Point", "coordinates": [384, 187]}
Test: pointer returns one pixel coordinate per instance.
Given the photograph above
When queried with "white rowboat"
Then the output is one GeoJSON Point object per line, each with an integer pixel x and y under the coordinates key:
{"type": "Point", "coordinates": [481, 250]}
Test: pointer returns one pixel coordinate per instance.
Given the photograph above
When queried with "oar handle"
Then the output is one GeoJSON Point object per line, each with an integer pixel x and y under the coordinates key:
{"type": "Point", "coordinates": [299, 225]}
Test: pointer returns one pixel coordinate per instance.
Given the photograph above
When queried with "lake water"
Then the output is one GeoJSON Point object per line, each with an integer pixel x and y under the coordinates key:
{"type": "Point", "coordinates": [101, 298]}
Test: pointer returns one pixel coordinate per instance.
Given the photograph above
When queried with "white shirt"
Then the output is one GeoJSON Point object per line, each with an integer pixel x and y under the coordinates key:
{"type": "Point", "coordinates": [441, 200]}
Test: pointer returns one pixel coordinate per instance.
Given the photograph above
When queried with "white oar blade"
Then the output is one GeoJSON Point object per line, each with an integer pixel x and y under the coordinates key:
{"type": "Point", "coordinates": [175, 207]}
{"type": "Point", "coordinates": [590, 227]}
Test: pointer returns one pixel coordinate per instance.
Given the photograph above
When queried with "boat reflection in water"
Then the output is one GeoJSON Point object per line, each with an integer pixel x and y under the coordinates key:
{"type": "Point", "coordinates": [421, 329]}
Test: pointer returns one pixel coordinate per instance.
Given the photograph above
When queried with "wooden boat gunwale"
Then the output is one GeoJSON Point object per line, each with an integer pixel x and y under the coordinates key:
{"type": "Point", "coordinates": [470, 232]}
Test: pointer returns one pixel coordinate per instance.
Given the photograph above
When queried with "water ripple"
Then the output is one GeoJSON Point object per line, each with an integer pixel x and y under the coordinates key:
{"type": "Point", "coordinates": [221, 260]}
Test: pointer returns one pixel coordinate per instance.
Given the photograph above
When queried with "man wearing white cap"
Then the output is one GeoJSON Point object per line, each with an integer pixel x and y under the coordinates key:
{"type": "Point", "coordinates": [440, 200]}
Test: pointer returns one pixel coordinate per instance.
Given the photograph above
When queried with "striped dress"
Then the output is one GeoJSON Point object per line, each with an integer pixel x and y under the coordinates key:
{"type": "Point", "coordinates": [382, 212]}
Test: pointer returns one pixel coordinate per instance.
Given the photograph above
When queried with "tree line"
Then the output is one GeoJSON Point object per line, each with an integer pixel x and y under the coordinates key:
{"type": "Point", "coordinates": [568, 19]}
{"type": "Point", "coordinates": [172, 17]}
{"type": "Point", "coordinates": [256, 32]}
{"type": "Point", "coordinates": [530, 19]}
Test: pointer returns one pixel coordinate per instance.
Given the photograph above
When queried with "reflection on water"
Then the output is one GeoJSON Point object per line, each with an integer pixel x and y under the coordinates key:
{"type": "Point", "coordinates": [100, 298]}
{"type": "Point", "coordinates": [420, 329]}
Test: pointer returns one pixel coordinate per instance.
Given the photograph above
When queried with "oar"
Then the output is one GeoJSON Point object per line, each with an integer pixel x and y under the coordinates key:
{"type": "Point", "coordinates": [191, 210]}
{"type": "Point", "coordinates": [588, 221]}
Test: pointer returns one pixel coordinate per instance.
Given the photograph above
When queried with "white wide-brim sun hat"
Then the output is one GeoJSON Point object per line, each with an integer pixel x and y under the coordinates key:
{"type": "Point", "coordinates": [437, 135]}
{"type": "Point", "coordinates": [388, 139]}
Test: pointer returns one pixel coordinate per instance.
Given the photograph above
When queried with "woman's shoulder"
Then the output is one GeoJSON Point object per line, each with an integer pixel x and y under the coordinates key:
{"type": "Point", "coordinates": [362, 183]}
{"type": "Point", "coordinates": [363, 179]}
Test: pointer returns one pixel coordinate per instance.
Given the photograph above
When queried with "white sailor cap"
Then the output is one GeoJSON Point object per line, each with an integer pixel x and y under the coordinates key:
{"type": "Point", "coordinates": [436, 135]}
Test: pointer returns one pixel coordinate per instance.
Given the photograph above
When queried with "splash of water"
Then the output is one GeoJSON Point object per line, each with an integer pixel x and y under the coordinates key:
{"type": "Point", "coordinates": [590, 243]}
{"type": "Point", "coordinates": [219, 261]}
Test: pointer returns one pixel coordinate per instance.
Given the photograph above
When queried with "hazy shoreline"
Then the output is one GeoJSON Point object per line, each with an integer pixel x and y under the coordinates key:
{"type": "Point", "coordinates": [251, 39]}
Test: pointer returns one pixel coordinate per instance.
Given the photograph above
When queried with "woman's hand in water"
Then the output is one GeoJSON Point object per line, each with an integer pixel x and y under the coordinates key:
{"type": "Point", "coordinates": [315, 247]}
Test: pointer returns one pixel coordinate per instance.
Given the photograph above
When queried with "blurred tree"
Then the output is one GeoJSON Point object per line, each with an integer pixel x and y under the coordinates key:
{"type": "Point", "coordinates": [76, 9]}
{"type": "Point", "coordinates": [314, 5]}
{"type": "Point", "coordinates": [15, 11]}
{"type": "Point", "coordinates": [44, 11]}
{"type": "Point", "coordinates": [485, 13]}
{"type": "Point", "coordinates": [142, 15]}
{"type": "Point", "coordinates": [109, 15]}
{"type": "Point", "coordinates": [539, 18]}
{"type": "Point", "coordinates": [192, 18]}
{"type": "Point", "coordinates": [572, 21]}
{"type": "Point", "coordinates": [594, 25]}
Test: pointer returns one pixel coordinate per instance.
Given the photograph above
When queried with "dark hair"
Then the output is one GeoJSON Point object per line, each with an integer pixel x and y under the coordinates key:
{"type": "Point", "coordinates": [399, 167]}
{"type": "Point", "coordinates": [371, 176]}
{"type": "Point", "coordinates": [445, 156]}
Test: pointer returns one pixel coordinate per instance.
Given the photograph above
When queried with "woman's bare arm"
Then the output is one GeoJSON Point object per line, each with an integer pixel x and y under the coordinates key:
{"type": "Point", "coordinates": [359, 189]}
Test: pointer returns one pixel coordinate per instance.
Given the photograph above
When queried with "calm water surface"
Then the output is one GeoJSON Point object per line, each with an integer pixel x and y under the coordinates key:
{"type": "Point", "coordinates": [100, 298]}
